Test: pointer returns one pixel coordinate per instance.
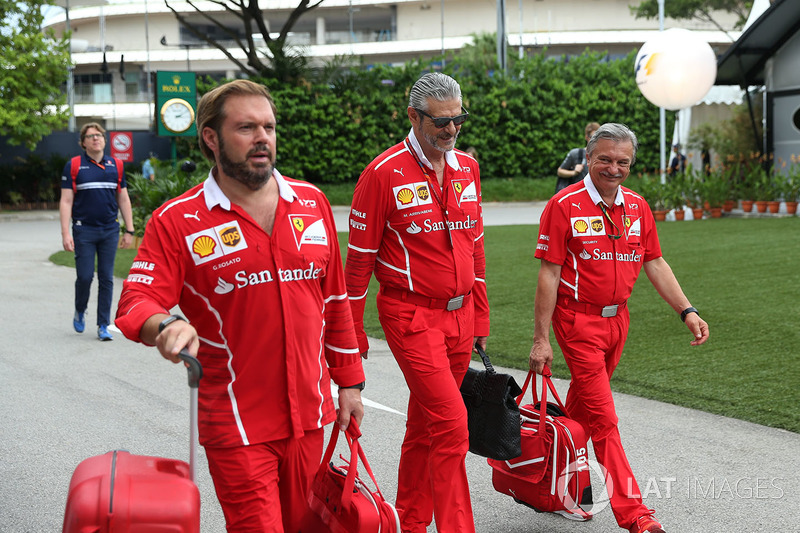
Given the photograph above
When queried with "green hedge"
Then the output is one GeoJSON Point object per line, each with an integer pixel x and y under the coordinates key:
{"type": "Point", "coordinates": [522, 124]}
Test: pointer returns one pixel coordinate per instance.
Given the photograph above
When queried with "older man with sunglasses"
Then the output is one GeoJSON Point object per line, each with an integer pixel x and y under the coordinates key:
{"type": "Point", "coordinates": [594, 239]}
{"type": "Point", "coordinates": [416, 223]}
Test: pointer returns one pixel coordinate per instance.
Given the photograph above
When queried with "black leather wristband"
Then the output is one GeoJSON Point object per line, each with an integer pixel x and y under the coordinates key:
{"type": "Point", "coordinates": [169, 320]}
{"type": "Point", "coordinates": [130, 232]}
{"type": "Point", "coordinates": [687, 311]}
{"type": "Point", "coordinates": [359, 386]}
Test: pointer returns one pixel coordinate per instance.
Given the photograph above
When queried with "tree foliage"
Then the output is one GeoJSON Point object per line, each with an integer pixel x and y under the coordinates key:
{"type": "Point", "coordinates": [274, 60]}
{"type": "Point", "coordinates": [33, 69]}
{"type": "Point", "coordinates": [702, 10]}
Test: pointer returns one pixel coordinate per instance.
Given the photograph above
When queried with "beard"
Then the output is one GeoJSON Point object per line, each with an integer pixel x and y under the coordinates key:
{"type": "Point", "coordinates": [252, 178]}
{"type": "Point", "coordinates": [438, 143]}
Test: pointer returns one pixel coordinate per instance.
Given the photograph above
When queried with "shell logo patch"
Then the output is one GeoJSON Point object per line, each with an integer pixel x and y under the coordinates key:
{"type": "Point", "coordinates": [412, 195]}
{"type": "Point", "coordinates": [216, 242]}
{"type": "Point", "coordinates": [465, 191]}
{"type": "Point", "coordinates": [587, 226]}
{"type": "Point", "coordinates": [308, 229]}
{"type": "Point", "coordinates": [405, 196]}
{"type": "Point", "coordinates": [204, 246]}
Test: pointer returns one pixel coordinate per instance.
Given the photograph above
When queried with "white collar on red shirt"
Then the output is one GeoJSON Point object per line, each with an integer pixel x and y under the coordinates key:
{"type": "Point", "coordinates": [595, 196]}
{"type": "Point", "coordinates": [449, 156]}
{"type": "Point", "coordinates": [215, 196]}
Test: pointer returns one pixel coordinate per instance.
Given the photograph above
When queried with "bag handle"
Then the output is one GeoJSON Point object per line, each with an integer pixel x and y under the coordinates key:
{"type": "Point", "coordinates": [547, 383]}
{"type": "Point", "coordinates": [485, 358]}
{"type": "Point", "coordinates": [361, 454]}
{"type": "Point", "coordinates": [352, 434]}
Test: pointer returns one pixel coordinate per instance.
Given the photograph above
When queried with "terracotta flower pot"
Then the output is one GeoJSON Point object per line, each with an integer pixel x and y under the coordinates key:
{"type": "Point", "coordinates": [773, 206]}
{"type": "Point", "coordinates": [660, 215]}
{"type": "Point", "coordinates": [791, 208]}
{"type": "Point", "coordinates": [728, 206]}
{"type": "Point", "coordinates": [716, 212]}
{"type": "Point", "coordinates": [747, 206]}
{"type": "Point", "coordinates": [679, 214]}
{"type": "Point", "coordinates": [761, 206]}
{"type": "Point", "coordinates": [697, 213]}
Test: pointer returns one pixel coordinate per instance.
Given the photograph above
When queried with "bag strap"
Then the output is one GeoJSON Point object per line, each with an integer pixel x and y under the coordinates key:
{"type": "Point", "coordinates": [485, 358]}
{"type": "Point", "coordinates": [74, 168]}
{"type": "Point", "coordinates": [547, 383]}
{"type": "Point", "coordinates": [352, 435]}
{"type": "Point", "coordinates": [362, 456]}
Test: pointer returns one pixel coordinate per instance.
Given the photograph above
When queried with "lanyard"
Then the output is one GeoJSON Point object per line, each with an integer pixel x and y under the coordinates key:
{"type": "Point", "coordinates": [618, 235]}
{"type": "Point", "coordinates": [433, 186]}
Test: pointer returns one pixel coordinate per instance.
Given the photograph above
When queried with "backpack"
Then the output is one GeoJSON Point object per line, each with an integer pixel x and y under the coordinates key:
{"type": "Point", "coordinates": [75, 166]}
{"type": "Point", "coordinates": [552, 474]}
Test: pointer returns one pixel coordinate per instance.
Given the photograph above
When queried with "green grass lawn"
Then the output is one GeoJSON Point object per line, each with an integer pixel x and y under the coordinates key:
{"type": "Point", "coordinates": [740, 273]}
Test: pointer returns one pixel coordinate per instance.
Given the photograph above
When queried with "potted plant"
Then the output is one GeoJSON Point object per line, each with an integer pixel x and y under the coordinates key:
{"type": "Point", "coordinates": [675, 195]}
{"type": "Point", "coordinates": [788, 184]}
{"type": "Point", "coordinates": [715, 190]}
{"type": "Point", "coordinates": [763, 188]}
{"type": "Point", "coordinates": [693, 187]}
{"type": "Point", "coordinates": [653, 191]}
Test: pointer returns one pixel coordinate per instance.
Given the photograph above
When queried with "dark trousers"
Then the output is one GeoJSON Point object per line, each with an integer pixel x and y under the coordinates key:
{"type": "Point", "coordinates": [91, 242]}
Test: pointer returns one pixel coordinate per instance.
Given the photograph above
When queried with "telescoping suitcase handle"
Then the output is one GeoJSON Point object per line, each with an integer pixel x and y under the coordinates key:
{"type": "Point", "coordinates": [195, 373]}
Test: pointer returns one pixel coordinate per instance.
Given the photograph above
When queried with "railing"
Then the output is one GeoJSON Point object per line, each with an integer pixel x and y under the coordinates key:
{"type": "Point", "coordinates": [130, 98]}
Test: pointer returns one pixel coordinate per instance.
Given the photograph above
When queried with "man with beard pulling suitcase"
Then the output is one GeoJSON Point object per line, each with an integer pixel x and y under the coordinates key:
{"type": "Point", "coordinates": [253, 261]}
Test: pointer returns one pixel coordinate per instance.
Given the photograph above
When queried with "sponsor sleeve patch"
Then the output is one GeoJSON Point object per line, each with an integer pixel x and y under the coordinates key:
{"type": "Point", "coordinates": [216, 242]}
{"type": "Point", "coordinates": [412, 195]}
{"type": "Point", "coordinates": [587, 226]}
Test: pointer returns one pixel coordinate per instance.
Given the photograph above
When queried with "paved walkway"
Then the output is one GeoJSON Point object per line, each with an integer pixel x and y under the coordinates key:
{"type": "Point", "coordinates": [67, 397]}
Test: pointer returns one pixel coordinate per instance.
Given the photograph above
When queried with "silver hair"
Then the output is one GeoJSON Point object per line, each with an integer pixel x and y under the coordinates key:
{"type": "Point", "coordinates": [434, 85]}
{"type": "Point", "coordinates": [613, 132]}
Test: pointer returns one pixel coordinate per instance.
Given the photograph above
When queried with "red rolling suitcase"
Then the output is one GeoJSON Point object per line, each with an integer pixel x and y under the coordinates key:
{"type": "Point", "coordinates": [122, 492]}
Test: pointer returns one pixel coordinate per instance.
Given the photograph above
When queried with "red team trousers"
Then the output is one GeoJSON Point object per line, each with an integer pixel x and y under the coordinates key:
{"type": "Point", "coordinates": [592, 346]}
{"type": "Point", "coordinates": [263, 488]}
{"type": "Point", "coordinates": [433, 348]}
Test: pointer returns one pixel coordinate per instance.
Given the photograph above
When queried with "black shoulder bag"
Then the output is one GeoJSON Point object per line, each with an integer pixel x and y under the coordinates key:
{"type": "Point", "coordinates": [494, 422]}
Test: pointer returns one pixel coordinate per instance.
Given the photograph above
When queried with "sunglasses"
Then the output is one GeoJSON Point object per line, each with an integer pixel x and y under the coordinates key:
{"type": "Point", "coordinates": [442, 122]}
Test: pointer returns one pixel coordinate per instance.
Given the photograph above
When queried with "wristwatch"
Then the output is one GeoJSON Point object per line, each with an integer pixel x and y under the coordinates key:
{"type": "Point", "coordinates": [129, 232]}
{"type": "Point", "coordinates": [687, 311]}
{"type": "Point", "coordinates": [169, 320]}
{"type": "Point", "coordinates": [359, 386]}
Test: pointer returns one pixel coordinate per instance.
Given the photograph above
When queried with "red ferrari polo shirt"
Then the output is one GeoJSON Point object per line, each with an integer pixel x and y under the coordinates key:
{"type": "Point", "coordinates": [600, 253]}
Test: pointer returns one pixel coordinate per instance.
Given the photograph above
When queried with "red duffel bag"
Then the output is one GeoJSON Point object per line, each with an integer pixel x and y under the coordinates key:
{"type": "Point", "coordinates": [552, 474]}
{"type": "Point", "coordinates": [340, 501]}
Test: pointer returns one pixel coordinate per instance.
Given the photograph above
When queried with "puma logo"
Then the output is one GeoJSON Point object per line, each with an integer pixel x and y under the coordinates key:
{"type": "Point", "coordinates": [189, 215]}
{"type": "Point", "coordinates": [576, 206]}
{"type": "Point", "coordinates": [400, 172]}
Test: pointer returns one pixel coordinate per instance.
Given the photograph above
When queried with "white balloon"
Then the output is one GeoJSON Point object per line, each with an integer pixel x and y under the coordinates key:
{"type": "Point", "coordinates": [675, 69]}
